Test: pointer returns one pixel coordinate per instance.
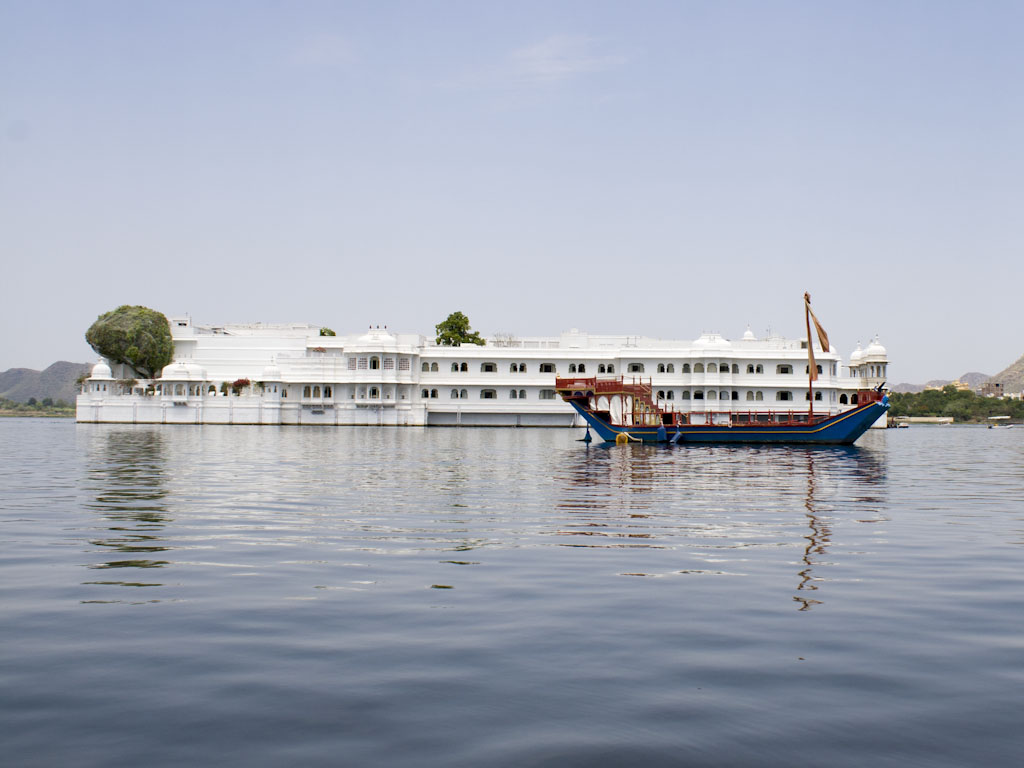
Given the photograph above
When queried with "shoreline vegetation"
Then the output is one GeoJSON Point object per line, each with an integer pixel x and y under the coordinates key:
{"type": "Point", "coordinates": [45, 407]}
{"type": "Point", "coordinates": [963, 405]}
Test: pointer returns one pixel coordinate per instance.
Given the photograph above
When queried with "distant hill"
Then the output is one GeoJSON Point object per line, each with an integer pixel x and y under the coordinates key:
{"type": "Point", "coordinates": [57, 382]}
{"type": "Point", "coordinates": [1012, 378]}
{"type": "Point", "coordinates": [973, 379]}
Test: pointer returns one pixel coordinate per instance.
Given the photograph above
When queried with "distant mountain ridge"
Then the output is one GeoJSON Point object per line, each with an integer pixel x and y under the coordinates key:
{"type": "Point", "coordinates": [973, 379]}
{"type": "Point", "coordinates": [56, 381]}
{"type": "Point", "coordinates": [1012, 377]}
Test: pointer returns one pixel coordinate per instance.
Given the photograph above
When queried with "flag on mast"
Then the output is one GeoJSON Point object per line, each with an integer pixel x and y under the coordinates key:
{"type": "Point", "coordinates": [812, 367]}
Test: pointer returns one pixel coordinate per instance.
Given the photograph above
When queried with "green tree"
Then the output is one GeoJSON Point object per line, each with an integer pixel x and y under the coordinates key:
{"type": "Point", "coordinates": [136, 336]}
{"type": "Point", "coordinates": [325, 331]}
{"type": "Point", "coordinates": [454, 331]}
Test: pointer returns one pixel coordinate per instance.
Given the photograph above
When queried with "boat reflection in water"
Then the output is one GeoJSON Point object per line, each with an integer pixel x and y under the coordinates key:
{"type": "Point", "coordinates": [706, 510]}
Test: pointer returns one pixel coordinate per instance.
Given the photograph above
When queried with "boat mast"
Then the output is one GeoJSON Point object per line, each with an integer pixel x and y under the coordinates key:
{"type": "Point", "coordinates": [811, 370]}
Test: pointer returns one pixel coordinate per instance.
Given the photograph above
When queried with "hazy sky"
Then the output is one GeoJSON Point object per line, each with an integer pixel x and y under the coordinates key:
{"type": "Point", "coordinates": [644, 167]}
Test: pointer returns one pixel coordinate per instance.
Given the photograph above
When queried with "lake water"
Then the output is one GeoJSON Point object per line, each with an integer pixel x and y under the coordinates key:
{"type": "Point", "coordinates": [267, 596]}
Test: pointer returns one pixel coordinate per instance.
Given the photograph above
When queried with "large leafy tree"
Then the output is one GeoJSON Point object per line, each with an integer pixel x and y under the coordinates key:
{"type": "Point", "coordinates": [454, 331]}
{"type": "Point", "coordinates": [136, 336]}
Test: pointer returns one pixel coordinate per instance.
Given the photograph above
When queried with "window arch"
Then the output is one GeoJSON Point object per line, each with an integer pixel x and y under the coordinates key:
{"type": "Point", "coordinates": [844, 399]}
{"type": "Point", "coordinates": [488, 394]}
{"type": "Point", "coordinates": [784, 394]}
{"type": "Point", "coordinates": [817, 395]}
{"type": "Point", "coordinates": [807, 368]}
{"type": "Point", "coordinates": [455, 394]}
{"type": "Point", "coordinates": [522, 394]}
{"type": "Point", "coordinates": [735, 368]}
{"type": "Point", "coordinates": [759, 395]}
{"type": "Point", "coordinates": [374, 363]}
{"type": "Point", "coordinates": [514, 368]}
{"type": "Point", "coordinates": [760, 369]}
{"type": "Point", "coordinates": [433, 393]}
{"type": "Point", "coordinates": [711, 394]}
{"type": "Point", "coordinates": [488, 367]}
{"type": "Point", "coordinates": [572, 367]}
{"type": "Point", "coordinates": [512, 394]}
{"type": "Point", "coordinates": [581, 368]}
{"type": "Point", "coordinates": [661, 367]}
{"type": "Point", "coordinates": [670, 368]}
{"type": "Point", "coordinates": [661, 394]}
{"type": "Point", "coordinates": [698, 368]}
{"type": "Point", "coordinates": [611, 368]}
{"type": "Point", "coordinates": [433, 367]}
{"type": "Point", "coordinates": [853, 399]}
{"type": "Point", "coordinates": [463, 394]}
{"type": "Point", "coordinates": [735, 395]}
{"type": "Point", "coordinates": [671, 394]}
{"type": "Point", "coordinates": [712, 368]}
{"type": "Point", "coordinates": [547, 367]}
{"type": "Point", "coordinates": [374, 393]}
{"type": "Point", "coordinates": [328, 392]}
{"type": "Point", "coordinates": [464, 368]}
{"type": "Point", "coordinates": [307, 391]}
{"type": "Point", "coordinates": [686, 367]}
{"type": "Point", "coordinates": [750, 395]}
{"type": "Point", "coordinates": [600, 368]}
{"type": "Point", "coordinates": [685, 395]}
{"type": "Point", "coordinates": [635, 368]}
{"type": "Point", "coordinates": [316, 391]}
{"type": "Point", "coordinates": [424, 393]}
{"type": "Point", "coordinates": [780, 369]}
{"type": "Point", "coordinates": [212, 390]}
{"type": "Point", "coordinates": [455, 367]}
{"type": "Point", "coordinates": [750, 368]}
{"type": "Point", "coordinates": [547, 394]}
{"type": "Point", "coordinates": [425, 367]}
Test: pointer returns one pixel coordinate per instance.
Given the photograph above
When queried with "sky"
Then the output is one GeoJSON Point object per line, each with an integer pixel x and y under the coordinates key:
{"type": "Point", "coordinates": [649, 168]}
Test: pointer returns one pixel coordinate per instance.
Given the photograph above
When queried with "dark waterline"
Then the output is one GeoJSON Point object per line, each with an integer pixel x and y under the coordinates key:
{"type": "Point", "coordinates": [399, 597]}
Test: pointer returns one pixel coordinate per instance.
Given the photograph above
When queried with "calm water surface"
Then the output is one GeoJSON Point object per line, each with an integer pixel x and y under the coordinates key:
{"type": "Point", "coordinates": [463, 597]}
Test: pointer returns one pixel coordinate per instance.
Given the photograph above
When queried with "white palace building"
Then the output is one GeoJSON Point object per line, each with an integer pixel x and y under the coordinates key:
{"type": "Point", "coordinates": [290, 374]}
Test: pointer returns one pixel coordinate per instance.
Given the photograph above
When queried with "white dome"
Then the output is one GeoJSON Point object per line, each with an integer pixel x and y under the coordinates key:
{"type": "Point", "coordinates": [875, 349]}
{"type": "Point", "coordinates": [271, 373]}
{"type": "Point", "coordinates": [712, 341]}
{"type": "Point", "coordinates": [101, 371]}
{"type": "Point", "coordinates": [857, 355]}
{"type": "Point", "coordinates": [377, 337]}
{"type": "Point", "coordinates": [183, 370]}
{"type": "Point", "coordinates": [748, 335]}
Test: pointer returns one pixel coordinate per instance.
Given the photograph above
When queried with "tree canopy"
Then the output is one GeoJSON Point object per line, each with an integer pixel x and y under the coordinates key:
{"type": "Point", "coordinates": [454, 331]}
{"type": "Point", "coordinates": [962, 405]}
{"type": "Point", "coordinates": [136, 336]}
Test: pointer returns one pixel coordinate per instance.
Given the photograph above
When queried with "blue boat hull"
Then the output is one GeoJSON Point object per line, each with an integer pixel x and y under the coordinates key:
{"type": "Point", "coordinates": [841, 429]}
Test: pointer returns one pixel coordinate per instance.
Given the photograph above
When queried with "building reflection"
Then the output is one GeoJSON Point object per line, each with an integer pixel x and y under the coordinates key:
{"type": "Point", "coordinates": [126, 483]}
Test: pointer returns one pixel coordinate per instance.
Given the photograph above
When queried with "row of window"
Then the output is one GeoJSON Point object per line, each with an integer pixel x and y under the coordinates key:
{"type": "Point", "coordinates": [716, 368]}
{"type": "Point", "coordinates": [376, 363]}
{"type": "Point", "coordinates": [711, 394]}
{"type": "Point", "coordinates": [489, 394]}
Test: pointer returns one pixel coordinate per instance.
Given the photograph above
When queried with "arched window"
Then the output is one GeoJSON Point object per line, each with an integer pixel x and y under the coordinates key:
{"type": "Point", "coordinates": [759, 395]}
{"type": "Point", "coordinates": [581, 368]}
{"type": "Point", "coordinates": [424, 393]}
{"type": "Point", "coordinates": [735, 395]}
{"type": "Point", "coordinates": [817, 395]}
{"type": "Point", "coordinates": [670, 368]}
{"type": "Point", "coordinates": [425, 368]}
{"type": "Point", "coordinates": [488, 394]}
{"type": "Point", "coordinates": [671, 395]}
{"type": "Point", "coordinates": [611, 368]}
{"type": "Point", "coordinates": [698, 394]}
{"type": "Point", "coordinates": [661, 394]}
{"type": "Point", "coordinates": [807, 368]}
{"type": "Point", "coordinates": [455, 367]}
{"type": "Point", "coordinates": [547, 394]}
{"type": "Point", "coordinates": [433, 367]}
{"type": "Point", "coordinates": [433, 393]}
{"type": "Point", "coordinates": [514, 368]}
{"type": "Point", "coordinates": [512, 394]}
{"type": "Point", "coordinates": [374, 363]}
{"type": "Point", "coordinates": [455, 394]}
{"type": "Point", "coordinates": [712, 368]}
{"type": "Point", "coordinates": [212, 390]}
{"type": "Point", "coordinates": [547, 367]}
{"type": "Point", "coordinates": [711, 395]}
{"type": "Point", "coordinates": [374, 392]}
{"type": "Point", "coordinates": [572, 367]}
{"type": "Point", "coordinates": [463, 394]}
{"type": "Point", "coordinates": [750, 395]}
{"type": "Point", "coordinates": [783, 369]}
{"type": "Point", "coordinates": [735, 368]}
{"type": "Point", "coordinates": [844, 399]}
{"type": "Point", "coordinates": [522, 394]}
{"type": "Point", "coordinates": [750, 368]}
{"type": "Point", "coordinates": [853, 399]}
{"type": "Point", "coordinates": [316, 391]}
{"type": "Point", "coordinates": [759, 369]}
{"type": "Point", "coordinates": [635, 368]}
{"type": "Point", "coordinates": [686, 367]}
{"type": "Point", "coordinates": [698, 368]}
{"type": "Point", "coordinates": [784, 395]}
{"type": "Point", "coordinates": [488, 367]}
{"type": "Point", "coordinates": [307, 391]}
{"type": "Point", "coordinates": [328, 392]}
{"type": "Point", "coordinates": [685, 395]}
{"type": "Point", "coordinates": [661, 367]}
{"type": "Point", "coordinates": [464, 368]}
{"type": "Point", "coordinates": [600, 368]}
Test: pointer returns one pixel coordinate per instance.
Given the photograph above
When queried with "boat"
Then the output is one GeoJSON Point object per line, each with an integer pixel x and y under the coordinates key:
{"type": "Point", "coordinates": [997, 425]}
{"type": "Point", "coordinates": [621, 409]}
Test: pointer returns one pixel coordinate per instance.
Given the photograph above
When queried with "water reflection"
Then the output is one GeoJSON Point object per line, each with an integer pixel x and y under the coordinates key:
{"type": "Point", "coordinates": [722, 500]}
{"type": "Point", "coordinates": [126, 482]}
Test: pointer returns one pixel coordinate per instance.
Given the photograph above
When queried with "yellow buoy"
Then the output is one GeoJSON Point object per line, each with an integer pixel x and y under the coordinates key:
{"type": "Point", "coordinates": [621, 439]}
